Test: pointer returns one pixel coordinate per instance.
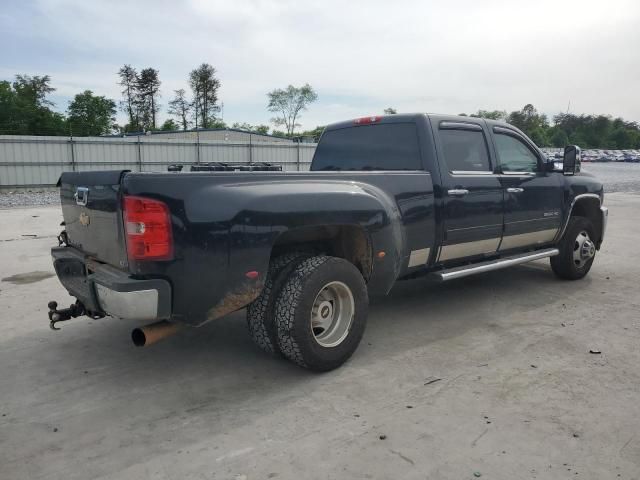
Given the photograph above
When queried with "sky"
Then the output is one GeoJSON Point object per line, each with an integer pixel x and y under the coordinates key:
{"type": "Point", "coordinates": [360, 56]}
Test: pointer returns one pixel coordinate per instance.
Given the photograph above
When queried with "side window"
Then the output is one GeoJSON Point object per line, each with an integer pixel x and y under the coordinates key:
{"type": "Point", "coordinates": [515, 155]}
{"type": "Point", "coordinates": [465, 150]}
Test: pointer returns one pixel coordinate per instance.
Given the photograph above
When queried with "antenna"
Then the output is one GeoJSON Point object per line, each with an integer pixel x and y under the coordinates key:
{"type": "Point", "coordinates": [568, 107]}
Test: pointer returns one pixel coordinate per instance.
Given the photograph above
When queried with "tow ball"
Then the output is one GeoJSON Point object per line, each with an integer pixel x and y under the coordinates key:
{"type": "Point", "coordinates": [64, 314]}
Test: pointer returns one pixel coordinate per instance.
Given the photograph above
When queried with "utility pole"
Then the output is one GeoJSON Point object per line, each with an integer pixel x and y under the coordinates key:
{"type": "Point", "coordinates": [197, 131]}
{"type": "Point", "coordinates": [73, 155]}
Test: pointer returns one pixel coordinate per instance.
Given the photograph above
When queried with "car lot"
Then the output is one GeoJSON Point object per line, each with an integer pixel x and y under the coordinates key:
{"type": "Point", "coordinates": [598, 155]}
{"type": "Point", "coordinates": [491, 375]}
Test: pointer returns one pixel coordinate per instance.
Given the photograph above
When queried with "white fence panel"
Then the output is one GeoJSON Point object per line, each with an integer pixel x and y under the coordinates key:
{"type": "Point", "coordinates": [285, 155]}
{"type": "Point", "coordinates": [89, 154]}
{"type": "Point", "coordinates": [24, 162]}
{"type": "Point", "coordinates": [227, 153]}
{"type": "Point", "coordinates": [27, 161]}
{"type": "Point", "coordinates": [156, 156]}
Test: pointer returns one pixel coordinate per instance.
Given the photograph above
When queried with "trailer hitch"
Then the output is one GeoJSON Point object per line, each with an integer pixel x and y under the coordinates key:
{"type": "Point", "coordinates": [64, 314]}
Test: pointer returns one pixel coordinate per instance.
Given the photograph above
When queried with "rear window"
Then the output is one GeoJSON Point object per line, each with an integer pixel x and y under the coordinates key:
{"type": "Point", "coordinates": [392, 146]}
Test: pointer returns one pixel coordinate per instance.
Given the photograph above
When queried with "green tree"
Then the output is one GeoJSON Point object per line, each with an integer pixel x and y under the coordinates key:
{"type": "Point", "coordinates": [539, 137]}
{"type": "Point", "coordinates": [205, 86]}
{"type": "Point", "coordinates": [598, 131]}
{"type": "Point", "coordinates": [315, 133]}
{"type": "Point", "coordinates": [621, 138]}
{"type": "Point", "coordinates": [34, 90]}
{"type": "Point", "coordinates": [559, 138]}
{"type": "Point", "coordinates": [25, 109]}
{"type": "Point", "coordinates": [242, 126]}
{"type": "Point", "coordinates": [89, 114]}
{"type": "Point", "coordinates": [129, 81]}
{"type": "Point", "coordinates": [8, 108]}
{"type": "Point", "coordinates": [262, 129]}
{"type": "Point", "coordinates": [180, 107]}
{"type": "Point", "coordinates": [169, 125]}
{"type": "Point", "coordinates": [491, 114]}
{"type": "Point", "coordinates": [216, 123]}
{"type": "Point", "coordinates": [147, 93]}
{"type": "Point", "coordinates": [528, 120]}
{"type": "Point", "coordinates": [288, 103]}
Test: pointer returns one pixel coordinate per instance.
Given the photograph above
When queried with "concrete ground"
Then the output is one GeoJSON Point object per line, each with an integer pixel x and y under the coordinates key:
{"type": "Point", "coordinates": [488, 376]}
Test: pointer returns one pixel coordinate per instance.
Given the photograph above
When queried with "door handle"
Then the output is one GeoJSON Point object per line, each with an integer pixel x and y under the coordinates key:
{"type": "Point", "coordinates": [458, 192]}
{"type": "Point", "coordinates": [515, 190]}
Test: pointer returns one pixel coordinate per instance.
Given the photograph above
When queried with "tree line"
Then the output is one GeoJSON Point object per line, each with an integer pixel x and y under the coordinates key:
{"type": "Point", "coordinates": [25, 109]}
{"type": "Point", "coordinates": [141, 100]}
{"type": "Point", "coordinates": [587, 131]}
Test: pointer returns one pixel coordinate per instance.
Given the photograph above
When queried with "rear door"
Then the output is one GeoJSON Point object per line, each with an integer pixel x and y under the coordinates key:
{"type": "Point", "coordinates": [389, 144]}
{"type": "Point", "coordinates": [472, 193]}
{"type": "Point", "coordinates": [92, 214]}
{"type": "Point", "coordinates": [533, 197]}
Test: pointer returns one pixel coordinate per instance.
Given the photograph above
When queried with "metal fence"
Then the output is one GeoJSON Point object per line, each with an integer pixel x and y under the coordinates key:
{"type": "Point", "coordinates": [27, 161]}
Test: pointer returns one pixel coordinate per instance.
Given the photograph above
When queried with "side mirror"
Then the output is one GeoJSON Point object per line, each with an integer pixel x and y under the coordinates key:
{"type": "Point", "coordinates": [571, 160]}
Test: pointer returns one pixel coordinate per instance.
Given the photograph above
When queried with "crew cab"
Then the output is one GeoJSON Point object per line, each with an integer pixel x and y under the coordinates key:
{"type": "Point", "coordinates": [388, 198]}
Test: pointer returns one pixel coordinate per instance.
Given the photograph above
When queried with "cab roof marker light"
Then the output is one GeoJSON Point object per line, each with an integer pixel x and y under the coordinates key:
{"type": "Point", "coordinates": [367, 120]}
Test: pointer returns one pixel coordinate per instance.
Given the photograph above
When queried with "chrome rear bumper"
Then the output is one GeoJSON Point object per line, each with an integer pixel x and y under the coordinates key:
{"type": "Point", "coordinates": [105, 289]}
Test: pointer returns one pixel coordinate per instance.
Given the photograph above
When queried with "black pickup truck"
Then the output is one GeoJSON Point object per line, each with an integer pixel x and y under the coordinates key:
{"type": "Point", "coordinates": [387, 198]}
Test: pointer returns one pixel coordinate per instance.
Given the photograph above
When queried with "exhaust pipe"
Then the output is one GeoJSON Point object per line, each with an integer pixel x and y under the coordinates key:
{"type": "Point", "coordinates": [154, 332]}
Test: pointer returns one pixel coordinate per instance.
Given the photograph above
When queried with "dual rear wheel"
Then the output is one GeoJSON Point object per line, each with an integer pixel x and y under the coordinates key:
{"type": "Point", "coordinates": [312, 310]}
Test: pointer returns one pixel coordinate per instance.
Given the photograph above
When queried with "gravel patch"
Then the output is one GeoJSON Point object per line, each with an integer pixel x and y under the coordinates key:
{"type": "Point", "coordinates": [29, 198]}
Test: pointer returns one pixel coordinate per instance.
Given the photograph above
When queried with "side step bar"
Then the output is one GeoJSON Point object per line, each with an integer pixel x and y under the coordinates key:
{"type": "Point", "coordinates": [465, 271]}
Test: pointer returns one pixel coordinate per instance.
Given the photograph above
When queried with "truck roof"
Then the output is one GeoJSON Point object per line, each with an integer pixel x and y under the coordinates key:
{"type": "Point", "coordinates": [409, 117]}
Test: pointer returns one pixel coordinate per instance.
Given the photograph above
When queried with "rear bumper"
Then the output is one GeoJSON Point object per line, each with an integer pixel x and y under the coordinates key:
{"type": "Point", "coordinates": [104, 289]}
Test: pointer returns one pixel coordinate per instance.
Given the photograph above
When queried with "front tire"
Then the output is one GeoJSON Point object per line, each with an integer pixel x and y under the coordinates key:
{"type": "Point", "coordinates": [321, 313]}
{"type": "Point", "coordinates": [577, 250]}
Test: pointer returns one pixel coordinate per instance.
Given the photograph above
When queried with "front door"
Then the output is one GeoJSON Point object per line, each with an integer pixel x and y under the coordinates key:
{"type": "Point", "coordinates": [472, 192]}
{"type": "Point", "coordinates": [533, 197]}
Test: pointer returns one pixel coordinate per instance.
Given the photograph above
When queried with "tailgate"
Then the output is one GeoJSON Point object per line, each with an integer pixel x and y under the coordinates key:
{"type": "Point", "coordinates": [91, 206]}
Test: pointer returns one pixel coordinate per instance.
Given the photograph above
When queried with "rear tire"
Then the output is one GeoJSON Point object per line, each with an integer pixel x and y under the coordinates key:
{"type": "Point", "coordinates": [321, 313]}
{"type": "Point", "coordinates": [260, 312]}
{"type": "Point", "coordinates": [577, 250]}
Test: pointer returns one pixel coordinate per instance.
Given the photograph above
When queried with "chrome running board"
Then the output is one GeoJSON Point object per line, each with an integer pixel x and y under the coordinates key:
{"type": "Point", "coordinates": [465, 271]}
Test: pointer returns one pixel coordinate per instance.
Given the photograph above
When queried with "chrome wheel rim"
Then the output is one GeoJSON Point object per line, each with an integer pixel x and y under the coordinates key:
{"type": "Point", "coordinates": [332, 314]}
{"type": "Point", "coordinates": [583, 249]}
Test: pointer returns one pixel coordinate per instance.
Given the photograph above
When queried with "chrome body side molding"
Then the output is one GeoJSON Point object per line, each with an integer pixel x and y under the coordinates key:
{"type": "Point", "coordinates": [528, 239]}
{"type": "Point", "coordinates": [604, 211]}
{"type": "Point", "coordinates": [468, 249]}
{"type": "Point", "coordinates": [465, 271]}
{"type": "Point", "coordinates": [419, 257]}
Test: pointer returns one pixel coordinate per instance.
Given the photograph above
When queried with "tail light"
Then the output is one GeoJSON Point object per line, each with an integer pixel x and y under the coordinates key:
{"type": "Point", "coordinates": [147, 224]}
{"type": "Point", "coordinates": [367, 120]}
